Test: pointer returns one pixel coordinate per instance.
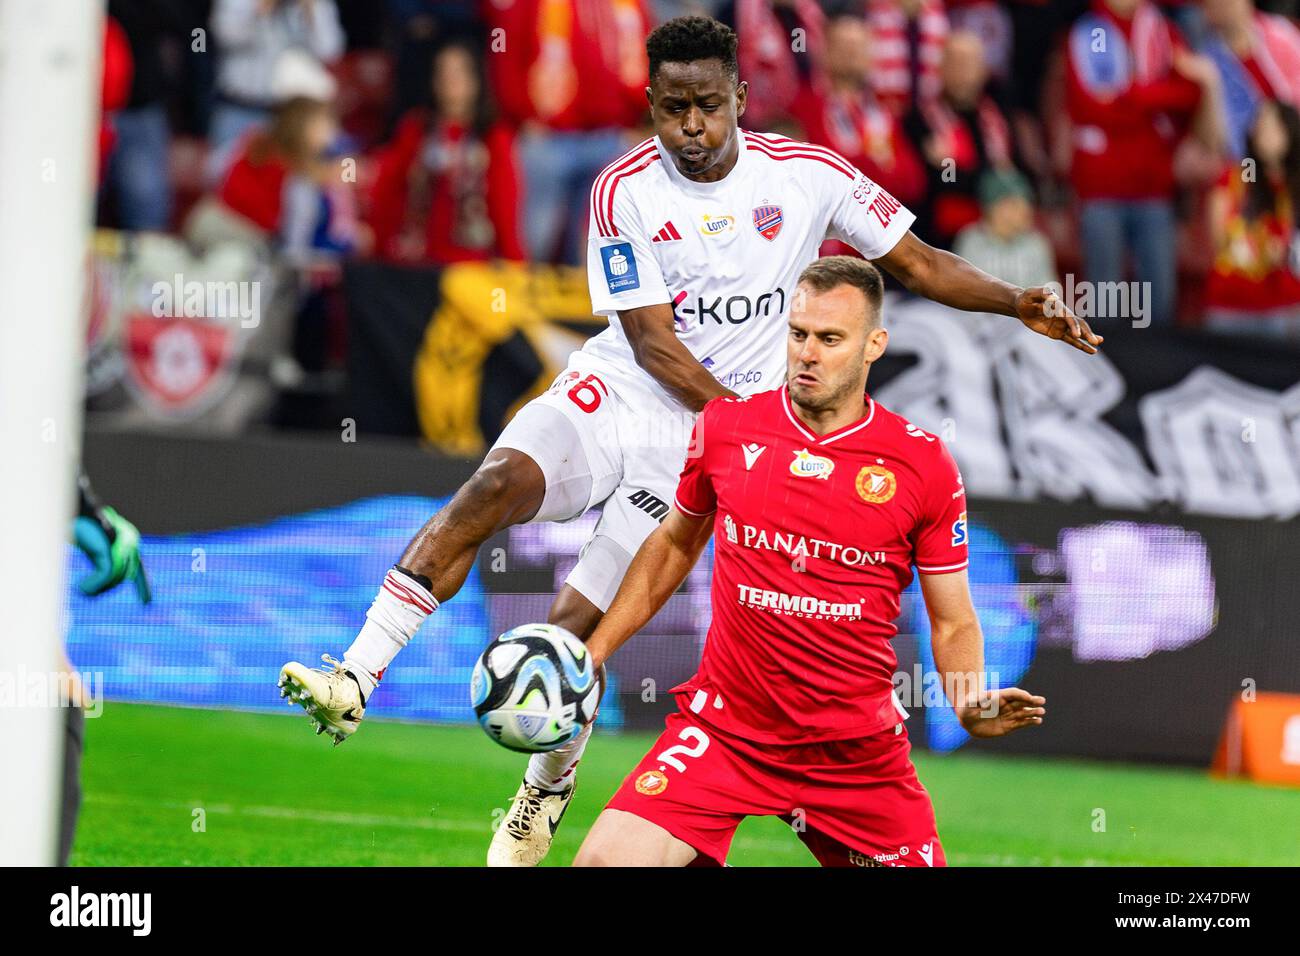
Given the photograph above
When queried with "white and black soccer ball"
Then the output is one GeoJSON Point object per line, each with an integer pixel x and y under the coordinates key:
{"type": "Point", "coordinates": [534, 688]}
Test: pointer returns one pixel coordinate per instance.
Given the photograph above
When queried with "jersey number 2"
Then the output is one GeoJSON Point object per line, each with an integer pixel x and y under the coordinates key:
{"type": "Point", "coordinates": [701, 744]}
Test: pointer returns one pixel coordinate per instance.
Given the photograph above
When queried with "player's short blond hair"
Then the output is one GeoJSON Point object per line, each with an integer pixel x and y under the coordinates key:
{"type": "Point", "coordinates": [830, 272]}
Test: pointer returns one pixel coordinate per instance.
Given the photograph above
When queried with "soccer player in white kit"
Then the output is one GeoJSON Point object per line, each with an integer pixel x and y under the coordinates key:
{"type": "Point", "coordinates": [697, 239]}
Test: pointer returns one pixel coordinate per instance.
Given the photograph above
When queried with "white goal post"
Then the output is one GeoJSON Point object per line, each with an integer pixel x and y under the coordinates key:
{"type": "Point", "coordinates": [50, 55]}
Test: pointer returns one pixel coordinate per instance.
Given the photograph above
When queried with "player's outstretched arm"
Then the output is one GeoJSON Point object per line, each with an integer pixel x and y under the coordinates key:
{"type": "Point", "coordinates": [659, 568]}
{"type": "Point", "coordinates": [953, 281]}
{"type": "Point", "coordinates": [958, 646]}
{"type": "Point", "coordinates": [654, 340]}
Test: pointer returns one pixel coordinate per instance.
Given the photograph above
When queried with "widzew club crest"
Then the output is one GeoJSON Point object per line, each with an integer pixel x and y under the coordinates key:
{"type": "Point", "coordinates": [768, 220]}
{"type": "Point", "coordinates": [876, 484]}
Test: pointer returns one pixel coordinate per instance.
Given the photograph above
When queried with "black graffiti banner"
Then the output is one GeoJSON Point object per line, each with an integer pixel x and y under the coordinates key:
{"type": "Point", "coordinates": [1158, 418]}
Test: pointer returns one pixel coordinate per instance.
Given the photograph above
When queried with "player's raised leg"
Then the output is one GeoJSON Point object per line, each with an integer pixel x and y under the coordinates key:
{"type": "Point", "coordinates": [508, 488]}
{"type": "Point", "coordinates": [540, 469]}
{"type": "Point", "coordinates": [619, 838]}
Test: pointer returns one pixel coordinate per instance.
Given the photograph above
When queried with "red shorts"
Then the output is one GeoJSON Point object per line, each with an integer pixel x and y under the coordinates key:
{"type": "Point", "coordinates": [852, 802]}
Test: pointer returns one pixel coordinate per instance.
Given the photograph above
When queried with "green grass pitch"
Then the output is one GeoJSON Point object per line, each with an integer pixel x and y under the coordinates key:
{"type": "Point", "coordinates": [272, 793]}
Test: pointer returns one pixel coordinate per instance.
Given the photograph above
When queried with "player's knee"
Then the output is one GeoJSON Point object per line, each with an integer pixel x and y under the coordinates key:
{"type": "Point", "coordinates": [572, 611]}
{"type": "Point", "coordinates": [595, 853]}
{"type": "Point", "coordinates": [603, 843]}
{"type": "Point", "coordinates": [501, 492]}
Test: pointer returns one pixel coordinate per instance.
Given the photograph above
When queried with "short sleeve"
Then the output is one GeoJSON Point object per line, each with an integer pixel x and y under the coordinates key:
{"type": "Point", "coordinates": [695, 493]}
{"type": "Point", "coordinates": [941, 540]}
{"type": "Point", "coordinates": [622, 271]}
{"type": "Point", "coordinates": [863, 213]}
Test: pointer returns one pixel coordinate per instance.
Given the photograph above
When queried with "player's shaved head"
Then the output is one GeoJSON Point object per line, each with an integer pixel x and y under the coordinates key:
{"type": "Point", "coordinates": [835, 334]}
{"type": "Point", "coordinates": [694, 95]}
{"type": "Point", "coordinates": [824, 274]}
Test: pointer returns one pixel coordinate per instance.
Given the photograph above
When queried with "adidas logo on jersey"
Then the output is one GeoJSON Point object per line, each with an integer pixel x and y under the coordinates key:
{"type": "Point", "coordinates": [667, 233]}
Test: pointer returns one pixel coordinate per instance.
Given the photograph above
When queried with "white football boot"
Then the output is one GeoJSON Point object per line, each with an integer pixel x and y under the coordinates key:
{"type": "Point", "coordinates": [525, 835]}
{"type": "Point", "coordinates": [330, 695]}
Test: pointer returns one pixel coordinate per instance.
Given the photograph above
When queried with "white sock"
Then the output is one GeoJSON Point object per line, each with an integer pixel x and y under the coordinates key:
{"type": "Point", "coordinates": [398, 610]}
{"type": "Point", "coordinates": [554, 769]}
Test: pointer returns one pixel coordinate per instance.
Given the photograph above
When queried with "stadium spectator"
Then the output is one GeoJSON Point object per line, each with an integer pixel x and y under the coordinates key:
{"type": "Point", "coordinates": [1257, 56]}
{"type": "Point", "coordinates": [1005, 242]}
{"type": "Point", "coordinates": [282, 187]}
{"type": "Point", "coordinates": [574, 86]}
{"type": "Point", "coordinates": [962, 134]}
{"type": "Point", "coordinates": [1254, 284]}
{"type": "Point", "coordinates": [139, 176]}
{"type": "Point", "coordinates": [781, 43]}
{"type": "Point", "coordinates": [252, 38]}
{"type": "Point", "coordinates": [446, 188]}
{"type": "Point", "coordinates": [419, 29]}
{"type": "Point", "coordinates": [991, 22]}
{"type": "Point", "coordinates": [908, 38]}
{"type": "Point", "coordinates": [838, 110]}
{"type": "Point", "coordinates": [1132, 91]}
{"type": "Point", "coordinates": [114, 89]}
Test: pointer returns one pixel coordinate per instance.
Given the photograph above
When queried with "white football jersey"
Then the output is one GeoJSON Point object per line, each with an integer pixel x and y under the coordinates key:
{"type": "Point", "coordinates": [727, 255]}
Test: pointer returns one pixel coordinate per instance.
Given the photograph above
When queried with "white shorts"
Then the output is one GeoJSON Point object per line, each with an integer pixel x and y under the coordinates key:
{"type": "Point", "coordinates": [594, 444]}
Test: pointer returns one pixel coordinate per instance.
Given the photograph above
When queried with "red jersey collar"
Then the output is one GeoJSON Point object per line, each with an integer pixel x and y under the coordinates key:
{"type": "Point", "coordinates": [829, 437]}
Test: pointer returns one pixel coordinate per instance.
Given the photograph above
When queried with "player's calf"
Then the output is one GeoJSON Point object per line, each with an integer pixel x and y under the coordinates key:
{"type": "Point", "coordinates": [507, 488]}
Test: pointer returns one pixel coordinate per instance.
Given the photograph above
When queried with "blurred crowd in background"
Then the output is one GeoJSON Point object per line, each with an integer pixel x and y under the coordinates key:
{"type": "Point", "coordinates": [1156, 142]}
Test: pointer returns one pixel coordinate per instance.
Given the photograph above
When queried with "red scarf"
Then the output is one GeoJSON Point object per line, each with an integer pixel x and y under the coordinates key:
{"type": "Point", "coordinates": [948, 127]}
{"type": "Point", "coordinates": [1277, 52]}
{"type": "Point", "coordinates": [891, 75]}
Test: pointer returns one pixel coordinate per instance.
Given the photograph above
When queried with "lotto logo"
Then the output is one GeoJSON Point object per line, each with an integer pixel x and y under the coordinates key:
{"type": "Point", "coordinates": [716, 225]}
{"type": "Point", "coordinates": [808, 465]}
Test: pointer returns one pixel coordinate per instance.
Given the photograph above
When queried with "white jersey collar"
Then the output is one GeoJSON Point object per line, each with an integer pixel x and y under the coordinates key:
{"type": "Point", "coordinates": [842, 432]}
{"type": "Point", "coordinates": [706, 189]}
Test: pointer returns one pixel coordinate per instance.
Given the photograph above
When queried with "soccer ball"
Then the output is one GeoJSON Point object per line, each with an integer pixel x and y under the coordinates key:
{"type": "Point", "coordinates": [534, 688]}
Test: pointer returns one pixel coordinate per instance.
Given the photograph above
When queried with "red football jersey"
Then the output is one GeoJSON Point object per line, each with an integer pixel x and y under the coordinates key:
{"type": "Point", "coordinates": [814, 541]}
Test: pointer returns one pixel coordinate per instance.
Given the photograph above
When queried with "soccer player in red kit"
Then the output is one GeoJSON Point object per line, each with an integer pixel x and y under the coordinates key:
{"type": "Point", "coordinates": [820, 502]}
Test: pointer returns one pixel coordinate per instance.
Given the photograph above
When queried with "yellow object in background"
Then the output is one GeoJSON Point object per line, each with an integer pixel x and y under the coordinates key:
{"type": "Point", "coordinates": [483, 306]}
